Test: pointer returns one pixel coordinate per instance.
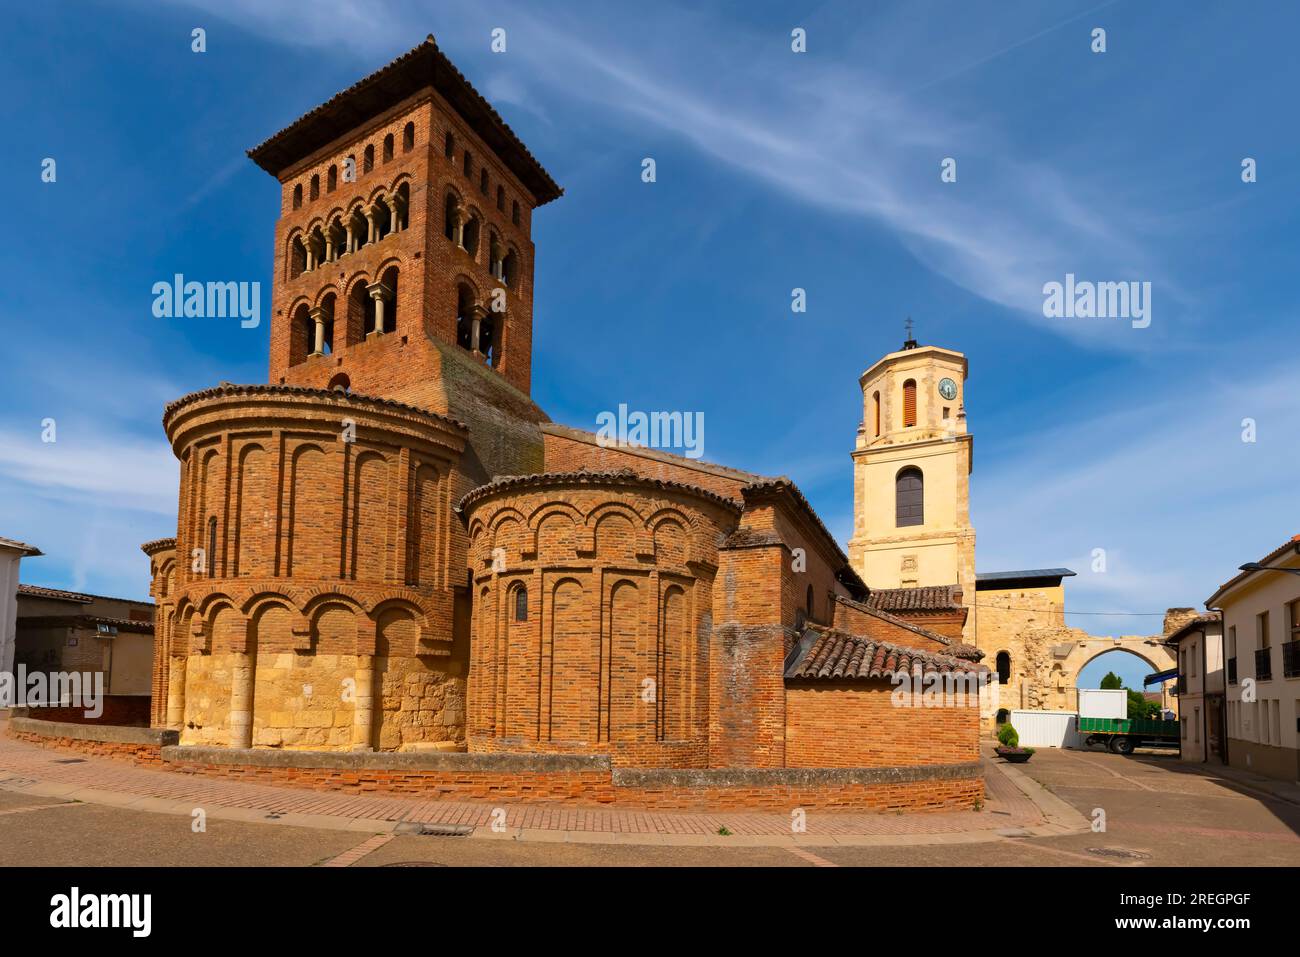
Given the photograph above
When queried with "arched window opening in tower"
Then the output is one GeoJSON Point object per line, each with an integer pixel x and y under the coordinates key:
{"type": "Point", "coordinates": [340, 383]}
{"type": "Point", "coordinates": [464, 317]}
{"type": "Point", "coordinates": [487, 337]}
{"type": "Point", "coordinates": [359, 227]}
{"type": "Point", "coordinates": [510, 269]}
{"type": "Point", "coordinates": [469, 163]}
{"type": "Point", "coordinates": [368, 159]}
{"type": "Point", "coordinates": [483, 181]}
{"type": "Point", "coordinates": [302, 334]}
{"type": "Point", "coordinates": [388, 147]}
{"type": "Point", "coordinates": [297, 257]}
{"type": "Point", "coordinates": [496, 252]}
{"type": "Point", "coordinates": [452, 219]}
{"type": "Point", "coordinates": [315, 247]}
{"type": "Point", "coordinates": [383, 214]}
{"type": "Point", "coordinates": [1004, 667]}
{"type": "Point", "coordinates": [909, 403]}
{"type": "Point", "coordinates": [408, 137]}
{"type": "Point", "coordinates": [327, 324]}
{"type": "Point", "coordinates": [875, 404]}
{"type": "Point", "coordinates": [361, 313]}
{"type": "Point", "coordinates": [402, 206]}
{"type": "Point", "coordinates": [521, 603]}
{"type": "Point", "coordinates": [297, 196]}
{"type": "Point", "coordinates": [909, 497]}
{"type": "Point", "coordinates": [212, 547]}
{"type": "Point", "coordinates": [449, 145]}
{"type": "Point", "coordinates": [514, 212]}
{"type": "Point", "coordinates": [501, 198]}
{"type": "Point", "coordinates": [315, 187]}
{"type": "Point", "coordinates": [389, 280]}
{"type": "Point", "coordinates": [332, 179]}
{"type": "Point", "coordinates": [470, 234]}
{"type": "Point", "coordinates": [336, 238]}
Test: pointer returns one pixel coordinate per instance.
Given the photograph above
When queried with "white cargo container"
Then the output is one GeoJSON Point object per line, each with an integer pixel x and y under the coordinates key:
{"type": "Point", "coordinates": [1103, 703]}
{"type": "Point", "coordinates": [1046, 729]}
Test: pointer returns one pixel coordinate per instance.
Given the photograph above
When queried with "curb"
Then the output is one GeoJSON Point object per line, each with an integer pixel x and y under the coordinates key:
{"type": "Point", "coordinates": [374, 826]}
{"type": "Point", "coordinates": [1061, 817]}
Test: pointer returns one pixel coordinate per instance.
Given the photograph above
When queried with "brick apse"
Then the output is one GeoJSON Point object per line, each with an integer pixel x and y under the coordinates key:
{"type": "Point", "coordinates": [389, 549]}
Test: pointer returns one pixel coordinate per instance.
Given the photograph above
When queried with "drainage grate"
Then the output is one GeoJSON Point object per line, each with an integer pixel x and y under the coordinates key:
{"type": "Point", "coordinates": [434, 830]}
{"type": "Point", "coordinates": [1119, 852]}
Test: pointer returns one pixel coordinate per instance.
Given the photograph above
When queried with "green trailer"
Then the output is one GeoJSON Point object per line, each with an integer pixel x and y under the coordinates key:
{"type": "Point", "coordinates": [1122, 735]}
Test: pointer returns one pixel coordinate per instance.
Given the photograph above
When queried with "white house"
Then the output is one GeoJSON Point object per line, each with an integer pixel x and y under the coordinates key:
{"type": "Point", "coordinates": [11, 553]}
{"type": "Point", "coordinates": [1261, 629]}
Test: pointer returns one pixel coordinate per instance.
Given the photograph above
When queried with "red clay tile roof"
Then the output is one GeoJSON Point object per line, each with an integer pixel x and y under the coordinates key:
{"type": "Point", "coordinates": [83, 598]}
{"type": "Point", "coordinates": [783, 487]}
{"type": "Point", "coordinates": [418, 68]}
{"type": "Point", "coordinates": [40, 591]}
{"type": "Point", "coordinates": [1192, 624]}
{"type": "Point", "coordinates": [924, 598]}
{"type": "Point", "coordinates": [623, 477]}
{"type": "Point", "coordinates": [158, 545]}
{"type": "Point", "coordinates": [89, 621]}
{"type": "Point", "coordinates": [231, 388]}
{"type": "Point", "coordinates": [955, 648]}
{"type": "Point", "coordinates": [838, 655]}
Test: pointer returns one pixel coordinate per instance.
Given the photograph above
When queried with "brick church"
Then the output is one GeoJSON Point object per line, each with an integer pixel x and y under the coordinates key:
{"type": "Point", "coordinates": [389, 547]}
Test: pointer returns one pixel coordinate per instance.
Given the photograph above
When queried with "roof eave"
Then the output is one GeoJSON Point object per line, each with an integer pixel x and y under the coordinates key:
{"type": "Point", "coordinates": [424, 67]}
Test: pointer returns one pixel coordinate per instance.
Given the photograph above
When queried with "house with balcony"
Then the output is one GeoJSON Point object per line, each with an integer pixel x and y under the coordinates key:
{"type": "Point", "coordinates": [1198, 644]}
{"type": "Point", "coordinates": [1261, 645]}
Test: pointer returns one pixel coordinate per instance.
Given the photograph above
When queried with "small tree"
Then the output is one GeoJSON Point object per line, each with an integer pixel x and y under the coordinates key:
{"type": "Point", "coordinates": [1139, 707]}
{"type": "Point", "coordinates": [1008, 737]}
{"type": "Point", "coordinates": [1111, 681]}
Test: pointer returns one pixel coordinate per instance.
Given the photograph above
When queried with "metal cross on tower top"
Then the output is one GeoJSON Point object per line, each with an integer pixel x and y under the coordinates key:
{"type": "Point", "coordinates": [909, 343]}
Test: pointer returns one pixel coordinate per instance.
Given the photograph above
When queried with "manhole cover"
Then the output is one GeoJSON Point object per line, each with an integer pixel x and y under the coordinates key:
{"type": "Point", "coordinates": [434, 830]}
{"type": "Point", "coordinates": [414, 864]}
{"type": "Point", "coordinates": [1120, 852]}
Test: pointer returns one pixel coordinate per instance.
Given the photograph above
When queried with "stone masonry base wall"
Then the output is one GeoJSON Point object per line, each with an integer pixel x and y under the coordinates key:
{"type": "Point", "coordinates": [550, 779]}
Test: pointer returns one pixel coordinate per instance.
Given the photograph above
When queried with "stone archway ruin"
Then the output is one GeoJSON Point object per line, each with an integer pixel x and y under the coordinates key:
{"type": "Point", "coordinates": [1045, 676]}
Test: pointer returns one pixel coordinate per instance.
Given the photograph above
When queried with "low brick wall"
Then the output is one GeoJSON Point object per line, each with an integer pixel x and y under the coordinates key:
{"type": "Point", "coordinates": [118, 710]}
{"type": "Point", "coordinates": [590, 780]}
{"type": "Point", "coordinates": [934, 788]}
{"type": "Point", "coordinates": [138, 745]}
{"type": "Point", "coordinates": [587, 780]}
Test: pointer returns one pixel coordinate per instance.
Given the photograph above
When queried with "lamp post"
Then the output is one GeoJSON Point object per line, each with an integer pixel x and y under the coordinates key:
{"type": "Point", "coordinates": [1257, 567]}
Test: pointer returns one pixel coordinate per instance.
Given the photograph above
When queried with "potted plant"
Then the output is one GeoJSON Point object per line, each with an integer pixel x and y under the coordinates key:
{"type": "Point", "coordinates": [1010, 749]}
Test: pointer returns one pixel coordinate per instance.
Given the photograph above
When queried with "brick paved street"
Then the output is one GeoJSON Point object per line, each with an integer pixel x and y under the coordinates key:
{"type": "Point", "coordinates": [64, 809]}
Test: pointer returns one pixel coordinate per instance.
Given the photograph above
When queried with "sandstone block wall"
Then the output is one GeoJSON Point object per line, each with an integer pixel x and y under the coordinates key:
{"type": "Point", "coordinates": [312, 592]}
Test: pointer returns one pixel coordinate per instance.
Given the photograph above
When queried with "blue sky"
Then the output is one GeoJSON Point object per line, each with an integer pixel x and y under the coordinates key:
{"type": "Point", "coordinates": [775, 170]}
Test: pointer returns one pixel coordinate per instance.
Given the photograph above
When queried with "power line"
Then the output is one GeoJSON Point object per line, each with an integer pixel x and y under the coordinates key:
{"type": "Point", "coordinates": [1124, 614]}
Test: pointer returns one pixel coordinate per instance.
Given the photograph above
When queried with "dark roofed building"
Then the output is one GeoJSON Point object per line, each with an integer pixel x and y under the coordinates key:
{"type": "Point", "coordinates": [68, 631]}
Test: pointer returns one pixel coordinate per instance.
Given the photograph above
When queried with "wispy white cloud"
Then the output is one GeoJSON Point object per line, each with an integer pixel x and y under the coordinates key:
{"type": "Point", "coordinates": [831, 134]}
{"type": "Point", "coordinates": [1163, 484]}
{"type": "Point", "coordinates": [104, 470]}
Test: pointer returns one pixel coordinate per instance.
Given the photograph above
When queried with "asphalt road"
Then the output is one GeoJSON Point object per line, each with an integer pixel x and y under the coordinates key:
{"type": "Point", "coordinates": [1156, 812]}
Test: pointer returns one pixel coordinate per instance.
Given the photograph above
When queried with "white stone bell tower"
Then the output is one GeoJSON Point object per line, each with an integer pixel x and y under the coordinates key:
{"type": "Point", "coordinates": [911, 473]}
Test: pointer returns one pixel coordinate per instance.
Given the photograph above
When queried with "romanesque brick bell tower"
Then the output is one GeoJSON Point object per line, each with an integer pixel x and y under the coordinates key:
{"type": "Point", "coordinates": [315, 595]}
{"type": "Point", "coordinates": [403, 262]}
